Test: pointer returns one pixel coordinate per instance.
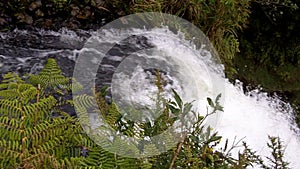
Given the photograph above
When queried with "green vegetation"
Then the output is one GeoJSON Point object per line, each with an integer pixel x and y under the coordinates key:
{"type": "Point", "coordinates": [257, 40]}
{"type": "Point", "coordinates": [270, 50]}
{"type": "Point", "coordinates": [36, 133]}
{"type": "Point", "coordinates": [219, 20]}
{"type": "Point", "coordinates": [30, 138]}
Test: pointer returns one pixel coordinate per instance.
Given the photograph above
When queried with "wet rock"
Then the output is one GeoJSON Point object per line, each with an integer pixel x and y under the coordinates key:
{"type": "Point", "coordinates": [48, 23]}
{"type": "Point", "coordinates": [75, 10]}
{"type": "Point", "coordinates": [38, 40]}
{"type": "Point", "coordinates": [34, 5]}
{"type": "Point", "coordinates": [39, 13]}
{"type": "Point", "coordinates": [24, 18]}
{"type": "Point", "coordinates": [85, 13]}
{"type": "Point", "coordinates": [98, 2]}
{"type": "Point", "coordinates": [50, 9]}
{"type": "Point", "coordinates": [2, 21]}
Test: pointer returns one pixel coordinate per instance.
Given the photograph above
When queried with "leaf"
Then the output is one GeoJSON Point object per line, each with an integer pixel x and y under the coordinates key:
{"type": "Point", "coordinates": [218, 107]}
{"type": "Point", "coordinates": [103, 91]}
{"type": "Point", "coordinates": [210, 102]}
{"type": "Point", "coordinates": [173, 110]}
{"type": "Point", "coordinates": [218, 98]}
{"type": "Point", "coordinates": [187, 108]}
{"type": "Point", "coordinates": [177, 98]}
{"type": "Point", "coordinates": [215, 138]}
{"type": "Point", "coordinates": [173, 103]}
{"type": "Point", "coordinates": [210, 157]}
{"type": "Point", "coordinates": [207, 132]}
{"type": "Point", "coordinates": [226, 145]}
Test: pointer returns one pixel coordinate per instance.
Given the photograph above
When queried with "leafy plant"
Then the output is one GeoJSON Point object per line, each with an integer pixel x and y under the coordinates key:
{"type": "Point", "coordinates": [219, 20]}
{"type": "Point", "coordinates": [277, 161]}
{"type": "Point", "coordinates": [31, 136]}
{"type": "Point", "coordinates": [269, 50]}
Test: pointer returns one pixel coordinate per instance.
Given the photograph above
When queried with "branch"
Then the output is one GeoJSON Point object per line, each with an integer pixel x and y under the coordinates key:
{"type": "Point", "coordinates": [177, 151]}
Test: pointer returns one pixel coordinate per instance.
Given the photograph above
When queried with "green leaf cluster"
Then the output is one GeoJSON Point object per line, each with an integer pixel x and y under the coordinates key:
{"type": "Point", "coordinates": [36, 133]}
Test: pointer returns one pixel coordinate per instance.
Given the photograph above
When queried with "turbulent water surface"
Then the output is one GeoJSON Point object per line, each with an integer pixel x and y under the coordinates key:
{"type": "Point", "coordinates": [188, 70]}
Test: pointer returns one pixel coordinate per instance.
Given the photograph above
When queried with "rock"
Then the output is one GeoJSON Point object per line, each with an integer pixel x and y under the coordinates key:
{"type": "Point", "coordinates": [85, 13]}
{"type": "Point", "coordinates": [34, 5]}
{"type": "Point", "coordinates": [24, 18]}
{"type": "Point", "coordinates": [75, 10]}
{"type": "Point", "coordinates": [50, 9]}
{"type": "Point", "coordinates": [39, 13]}
{"type": "Point", "coordinates": [99, 4]}
{"type": "Point", "coordinates": [2, 21]}
{"type": "Point", "coordinates": [48, 23]}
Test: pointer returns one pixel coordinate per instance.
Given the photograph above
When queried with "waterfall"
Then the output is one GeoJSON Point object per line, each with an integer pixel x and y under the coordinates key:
{"type": "Point", "coordinates": [255, 116]}
{"type": "Point", "coordinates": [191, 71]}
{"type": "Point", "coordinates": [252, 115]}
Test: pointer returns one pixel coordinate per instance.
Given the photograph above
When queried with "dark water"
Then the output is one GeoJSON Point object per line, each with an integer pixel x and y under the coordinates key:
{"type": "Point", "coordinates": [27, 51]}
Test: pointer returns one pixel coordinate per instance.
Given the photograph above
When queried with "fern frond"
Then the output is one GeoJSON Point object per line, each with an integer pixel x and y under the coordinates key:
{"type": "Point", "coordinates": [10, 94]}
{"type": "Point", "coordinates": [75, 86]}
{"type": "Point", "coordinates": [13, 87]}
{"type": "Point", "coordinates": [85, 101]}
{"type": "Point", "coordinates": [10, 108]}
{"type": "Point", "coordinates": [48, 130]}
{"type": "Point", "coordinates": [49, 145]}
{"type": "Point", "coordinates": [40, 161]}
{"type": "Point", "coordinates": [9, 149]}
{"type": "Point", "coordinates": [10, 128]}
{"type": "Point", "coordinates": [30, 137]}
{"type": "Point", "coordinates": [51, 78]}
{"type": "Point", "coordinates": [11, 78]}
{"type": "Point", "coordinates": [73, 162]}
{"type": "Point", "coordinates": [22, 92]}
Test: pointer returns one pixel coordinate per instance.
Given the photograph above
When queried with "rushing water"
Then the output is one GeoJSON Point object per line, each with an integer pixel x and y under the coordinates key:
{"type": "Point", "coordinates": [253, 115]}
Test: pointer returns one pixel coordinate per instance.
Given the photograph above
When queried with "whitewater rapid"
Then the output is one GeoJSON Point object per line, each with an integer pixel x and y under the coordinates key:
{"type": "Point", "coordinates": [253, 115]}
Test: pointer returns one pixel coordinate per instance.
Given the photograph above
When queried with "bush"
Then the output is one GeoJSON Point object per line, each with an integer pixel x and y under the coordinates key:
{"type": "Point", "coordinates": [36, 133]}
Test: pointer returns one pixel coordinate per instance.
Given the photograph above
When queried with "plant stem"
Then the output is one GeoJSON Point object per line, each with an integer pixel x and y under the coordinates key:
{"type": "Point", "coordinates": [177, 151]}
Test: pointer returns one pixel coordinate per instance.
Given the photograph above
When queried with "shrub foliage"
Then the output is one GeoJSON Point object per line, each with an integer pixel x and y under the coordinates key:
{"type": "Point", "coordinates": [36, 133]}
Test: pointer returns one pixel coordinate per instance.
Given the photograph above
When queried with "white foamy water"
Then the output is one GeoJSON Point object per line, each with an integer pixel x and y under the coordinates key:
{"type": "Point", "coordinates": [254, 116]}
{"type": "Point", "coordinates": [196, 77]}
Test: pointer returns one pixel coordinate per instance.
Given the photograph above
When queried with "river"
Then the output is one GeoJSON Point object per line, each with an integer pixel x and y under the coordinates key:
{"type": "Point", "coordinates": [253, 115]}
